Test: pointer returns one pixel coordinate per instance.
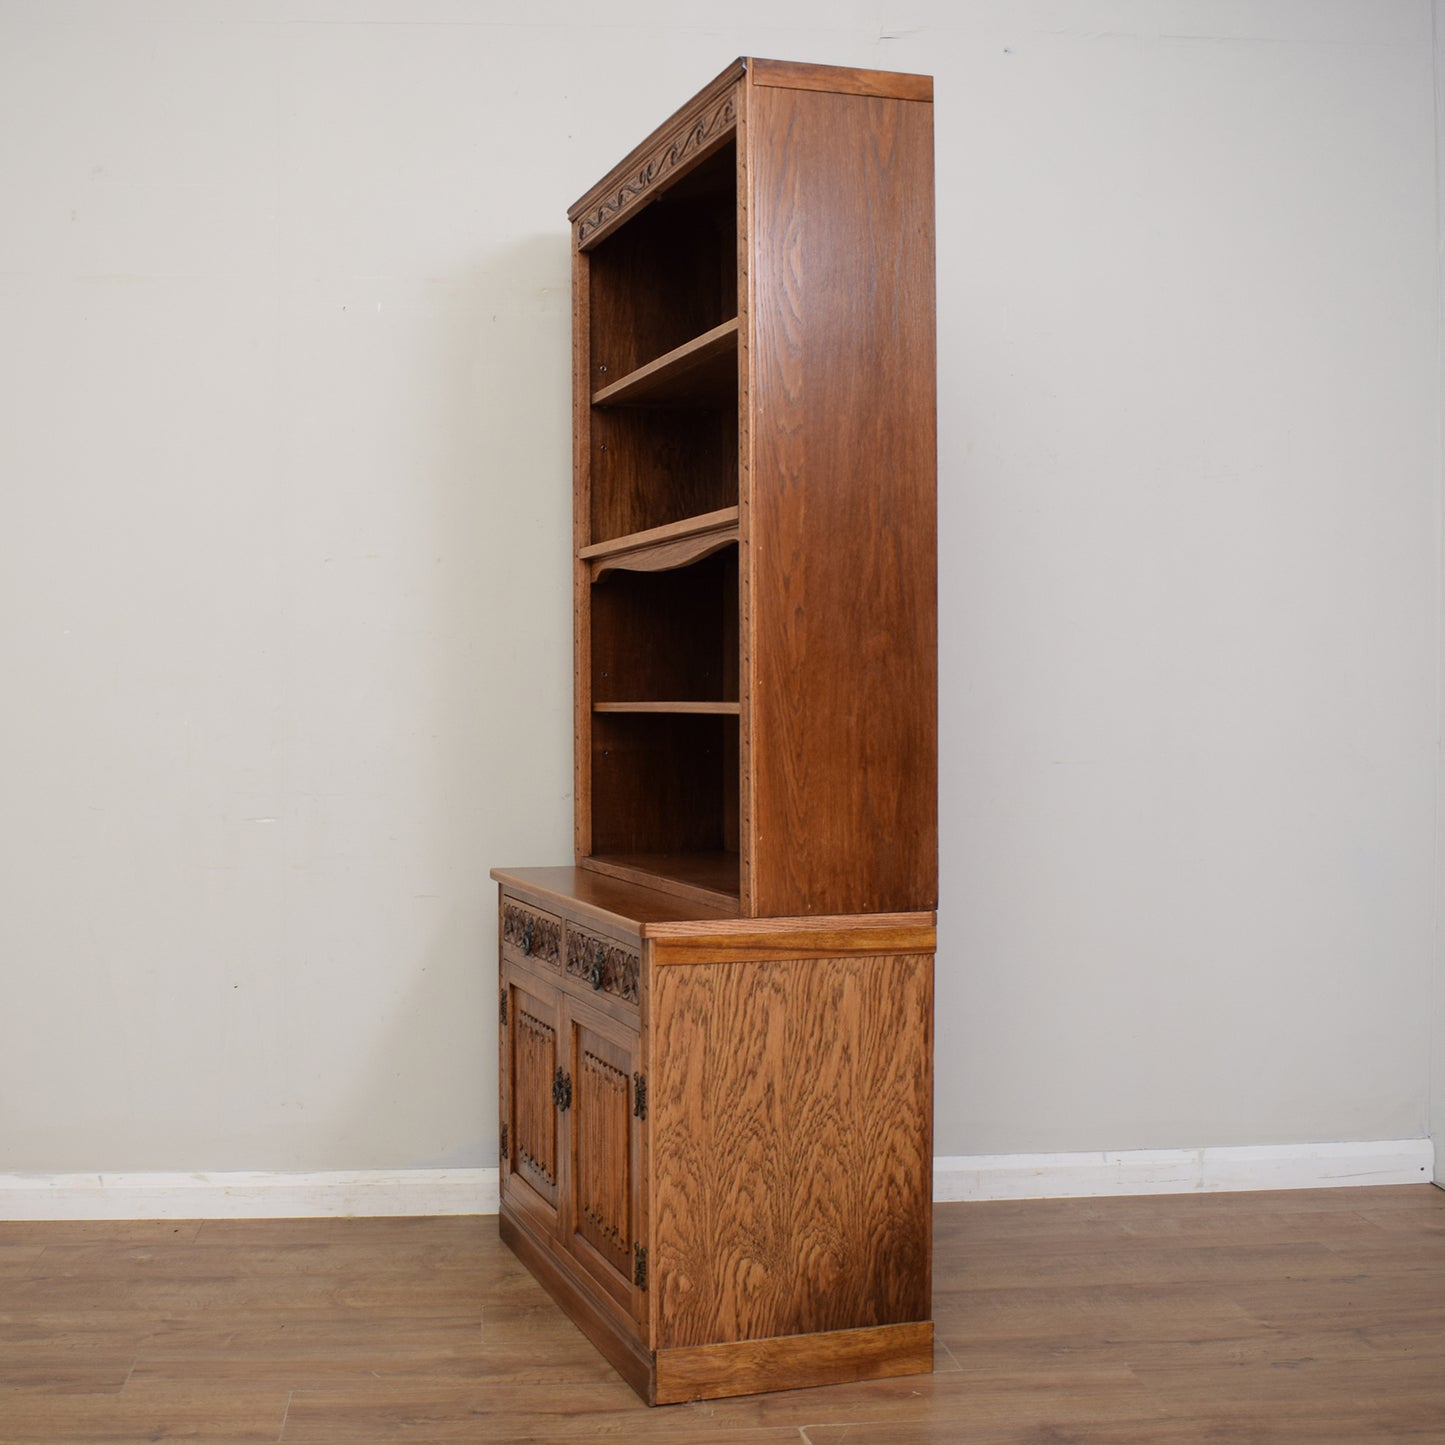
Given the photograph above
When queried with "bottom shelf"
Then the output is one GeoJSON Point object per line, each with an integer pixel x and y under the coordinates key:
{"type": "Point", "coordinates": [708, 877]}
{"type": "Point", "coordinates": [665, 803]}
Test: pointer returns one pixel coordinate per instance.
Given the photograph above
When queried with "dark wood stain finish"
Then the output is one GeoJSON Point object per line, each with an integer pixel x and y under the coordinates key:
{"type": "Point", "coordinates": [842, 530]}
{"type": "Point", "coordinates": [775, 1185]}
{"type": "Point", "coordinates": [756, 831]}
{"type": "Point", "coordinates": [757, 332]}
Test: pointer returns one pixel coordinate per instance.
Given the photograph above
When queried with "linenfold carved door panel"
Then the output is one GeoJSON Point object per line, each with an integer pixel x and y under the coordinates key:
{"type": "Point", "coordinates": [603, 1126]}
{"type": "Point", "coordinates": [535, 1078]}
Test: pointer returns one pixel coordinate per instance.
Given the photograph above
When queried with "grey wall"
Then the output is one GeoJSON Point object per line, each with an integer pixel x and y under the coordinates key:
{"type": "Point", "coordinates": [284, 529]}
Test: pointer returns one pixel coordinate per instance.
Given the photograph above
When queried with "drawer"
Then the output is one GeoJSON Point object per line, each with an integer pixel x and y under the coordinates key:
{"type": "Point", "coordinates": [604, 965]}
{"type": "Point", "coordinates": [528, 932]}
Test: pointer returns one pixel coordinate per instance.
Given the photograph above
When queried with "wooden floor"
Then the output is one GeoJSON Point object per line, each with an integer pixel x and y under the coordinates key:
{"type": "Point", "coordinates": [1306, 1316]}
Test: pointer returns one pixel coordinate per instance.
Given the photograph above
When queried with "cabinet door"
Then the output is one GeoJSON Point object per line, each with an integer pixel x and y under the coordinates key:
{"type": "Point", "coordinates": [602, 1216]}
{"type": "Point", "coordinates": [531, 1164]}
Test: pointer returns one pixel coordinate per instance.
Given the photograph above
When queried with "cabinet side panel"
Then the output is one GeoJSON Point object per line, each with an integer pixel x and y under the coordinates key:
{"type": "Point", "coordinates": [842, 535]}
{"type": "Point", "coordinates": [790, 1110]}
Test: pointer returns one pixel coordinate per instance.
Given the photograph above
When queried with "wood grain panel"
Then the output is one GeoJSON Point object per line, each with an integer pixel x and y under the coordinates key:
{"type": "Point", "coordinates": [719, 1191]}
{"type": "Point", "coordinates": [860, 1090]}
{"type": "Point", "coordinates": [792, 1166]}
{"type": "Point", "coordinates": [841, 518]}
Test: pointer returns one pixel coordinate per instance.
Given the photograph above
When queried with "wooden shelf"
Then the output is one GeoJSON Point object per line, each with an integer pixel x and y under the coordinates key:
{"type": "Point", "coordinates": [660, 549]}
{"type": "Point", "coordinates": [699, 371]}
{"type": "Point", "coordinates": [725, 709]}
{"type": "Point", "coordinates": [711, 877]}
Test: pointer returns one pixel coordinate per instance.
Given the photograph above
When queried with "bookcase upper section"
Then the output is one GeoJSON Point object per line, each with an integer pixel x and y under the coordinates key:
{"type": "Point", "coordinates": [754, 498]}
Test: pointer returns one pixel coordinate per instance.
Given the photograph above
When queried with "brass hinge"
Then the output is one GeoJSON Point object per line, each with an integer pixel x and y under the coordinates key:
{"type": "Point", "coordinates": [639, 1266]}
{"type": "Point", "coordinates": [639, 1096]}
{"type": "Point", "coordinates": [504, 1008]}
{"type": "Point", "coordinates": [562, 1089]}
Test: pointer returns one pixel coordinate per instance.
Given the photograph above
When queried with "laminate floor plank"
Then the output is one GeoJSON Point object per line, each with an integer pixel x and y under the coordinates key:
{"type": "Point", "coordinates": [17, 1260]}
{"type": "Point", "coordinates": [1310, 1316]}
{"type": "Point", "coordinates": [1117, 1315]}
{"type": "Point", "coordinates": [45, 1370]}
{"type": "Point", "coordinates": [391, 1347]}
{"type": "Point", "coordinates": [49, 1232]}
{"type": "Point", "coordinates": [141, 1414]}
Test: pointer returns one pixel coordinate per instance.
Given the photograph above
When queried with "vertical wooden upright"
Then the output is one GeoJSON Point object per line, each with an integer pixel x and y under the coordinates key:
{"type": "Point", "coordinates": [717, 1023]}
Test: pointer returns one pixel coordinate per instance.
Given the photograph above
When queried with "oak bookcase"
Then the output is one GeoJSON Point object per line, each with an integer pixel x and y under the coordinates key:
{"type": "Point", "coordinates": [716, 1024]}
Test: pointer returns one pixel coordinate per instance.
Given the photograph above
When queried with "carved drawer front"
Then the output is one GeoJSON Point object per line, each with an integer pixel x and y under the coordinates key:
{"type": "Point", "coordinates": [527, 932]}
{"type": "Point", "coordinates": [603, 964]}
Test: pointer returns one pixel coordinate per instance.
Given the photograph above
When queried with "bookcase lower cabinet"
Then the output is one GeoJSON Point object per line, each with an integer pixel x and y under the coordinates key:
{"type": "Point", "coordinates": [716, 1133]}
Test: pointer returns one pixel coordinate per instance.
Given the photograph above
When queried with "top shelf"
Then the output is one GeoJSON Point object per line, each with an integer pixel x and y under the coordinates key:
{"type": "Point", "coordinates": [700, 370]}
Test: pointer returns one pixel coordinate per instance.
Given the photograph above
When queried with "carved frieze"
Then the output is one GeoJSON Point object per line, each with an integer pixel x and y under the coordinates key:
{"type": "Point", "coordinates": [685, 143]}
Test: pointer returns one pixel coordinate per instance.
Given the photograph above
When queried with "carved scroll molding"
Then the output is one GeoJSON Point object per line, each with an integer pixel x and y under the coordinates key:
{"type": "Point", "coordinates": [685, 144]}
{"type": "Point", "coordinates": [664, 557]}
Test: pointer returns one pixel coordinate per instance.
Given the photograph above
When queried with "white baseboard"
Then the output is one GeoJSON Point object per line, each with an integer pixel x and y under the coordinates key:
{"type": "Point", "coordinates": [1183, 1171]}
{"type": "Point", "coordinates": [369, 1192]}
{"type": "Point", "coordinates": [474, 1191]}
